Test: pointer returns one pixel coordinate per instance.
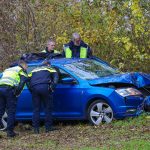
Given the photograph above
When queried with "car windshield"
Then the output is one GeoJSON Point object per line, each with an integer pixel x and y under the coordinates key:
{"type": "Point", "coordinates": [90, 69]}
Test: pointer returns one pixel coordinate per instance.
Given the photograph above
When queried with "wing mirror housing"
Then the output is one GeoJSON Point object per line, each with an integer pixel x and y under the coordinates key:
{"type": "Point", "coordinates": [68, 81]}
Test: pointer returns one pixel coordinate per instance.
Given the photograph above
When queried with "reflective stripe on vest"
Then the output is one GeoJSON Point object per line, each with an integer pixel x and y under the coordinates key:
{"type": "Point", "coordinates": [43, 51]}
{"type": "Point", "coordinates": [83, 52]}
{"type": "Point", "coordinates": [11, 76]}
{"type": "Point", "coordinates": [42, 69]}
{"type": "Point", "coordinates": [55, 51]}
{"type": "Point", "coordinates": [8, 80]}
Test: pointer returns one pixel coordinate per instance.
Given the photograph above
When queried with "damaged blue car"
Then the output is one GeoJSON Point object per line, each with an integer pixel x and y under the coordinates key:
{"type": "Point", "coordinates": [90, 89]}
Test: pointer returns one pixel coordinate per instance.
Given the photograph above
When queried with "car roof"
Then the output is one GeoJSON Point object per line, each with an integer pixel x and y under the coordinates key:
{"type": "Point", "coordinates": [62, 61]}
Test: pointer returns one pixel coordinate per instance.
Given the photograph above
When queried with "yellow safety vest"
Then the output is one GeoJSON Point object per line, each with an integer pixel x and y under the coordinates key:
{"type": "Point", "coordinates": [11, 76]}
{"type": "Point", "coordinates": [55, 51]}
{"type": "Point", "coordinates": [83, 52]}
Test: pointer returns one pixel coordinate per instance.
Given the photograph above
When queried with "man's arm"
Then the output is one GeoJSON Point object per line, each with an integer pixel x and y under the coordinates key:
{"type": "Point", "coordinates": [28, 84]}
{"type": "Point", "coordinates": [55, 78]}
{"type": "Point", "coordinates": [19, 88]}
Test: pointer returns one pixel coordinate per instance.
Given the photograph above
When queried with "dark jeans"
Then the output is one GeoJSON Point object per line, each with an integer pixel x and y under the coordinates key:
{"type": "Point", "coordinates": [41, 94]}
{"type": "Point", "coordinates": [8, 101]}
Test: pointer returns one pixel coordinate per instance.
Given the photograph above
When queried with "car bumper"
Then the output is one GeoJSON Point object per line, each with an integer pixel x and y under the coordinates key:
{"type": "Point", "coordinates": [134, 106]}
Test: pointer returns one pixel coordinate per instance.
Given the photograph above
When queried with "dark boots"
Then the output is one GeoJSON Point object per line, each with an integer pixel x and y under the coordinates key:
{"type": "Point", "coordinates": [36, 131]}
{"type": "Point", "coordinates": [11, 134]}
{"type": "Point", "coordinates": [50, 129]}
{"type": "Point", "coordinates": [1, 126]}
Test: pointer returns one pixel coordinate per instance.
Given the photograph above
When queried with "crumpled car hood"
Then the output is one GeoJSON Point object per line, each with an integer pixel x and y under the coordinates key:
{"type": "Point", "coordinates": [136, 78]}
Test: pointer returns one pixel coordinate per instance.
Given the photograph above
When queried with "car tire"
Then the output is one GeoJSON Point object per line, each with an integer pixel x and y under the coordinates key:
{"type": "Point", "coordinates": [147, 104]}
{"type": "Point", "coordinates": [99, 111]}
{"type": "Point", "coordinates": [4, 122]}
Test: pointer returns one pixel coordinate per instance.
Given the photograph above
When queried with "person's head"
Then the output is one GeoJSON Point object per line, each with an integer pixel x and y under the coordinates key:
{"type": "Point", "coordinates": [76, 39]}
{"type": "Point", "coordinates": [23, 64]}
{"type": "Point", "coordinates": [50, 45]}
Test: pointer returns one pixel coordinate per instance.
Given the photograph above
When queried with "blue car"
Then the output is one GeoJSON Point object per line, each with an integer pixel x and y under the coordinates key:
{"type": "Point", "coordinates": [89, 89]}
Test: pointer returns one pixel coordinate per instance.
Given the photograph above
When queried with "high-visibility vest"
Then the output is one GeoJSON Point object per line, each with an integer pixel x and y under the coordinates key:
{"type": "Point", "coordinates": [83, 52]}
{"type": "Point", "coordinates": [40, 69]}
{"type": "Point", "coordinates": [11, 76]}
{"type": "Point", "coordinates": [55, 51]}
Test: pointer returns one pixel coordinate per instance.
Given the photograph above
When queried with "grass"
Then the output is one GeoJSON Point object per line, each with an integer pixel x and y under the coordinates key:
{"type": "Point", "coordinates": [127, 134]}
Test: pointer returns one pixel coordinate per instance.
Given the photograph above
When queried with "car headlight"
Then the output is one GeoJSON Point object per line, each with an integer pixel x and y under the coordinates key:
{"type": "Point", "coordinates": [128, 92]}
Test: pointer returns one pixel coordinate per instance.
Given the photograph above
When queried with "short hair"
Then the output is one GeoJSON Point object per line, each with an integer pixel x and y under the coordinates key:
{"type": "Point", "coordinates": [50, 41]}
{"type": "Point", "coordinates": [75, 35]}
{"type": "Point", "coordinates": [21, 63]}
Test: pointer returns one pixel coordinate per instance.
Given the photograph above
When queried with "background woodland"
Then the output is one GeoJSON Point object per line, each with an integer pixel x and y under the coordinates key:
{"type": "Point", "coordinates": [118, 31]}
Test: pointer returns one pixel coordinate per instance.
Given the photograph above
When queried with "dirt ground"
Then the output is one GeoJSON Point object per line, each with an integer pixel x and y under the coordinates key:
{"type": "Point", "coordinates": [132, 133]}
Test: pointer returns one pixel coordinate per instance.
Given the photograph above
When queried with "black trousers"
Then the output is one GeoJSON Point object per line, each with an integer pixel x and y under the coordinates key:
{"type": "Point", "coordinates": [8, 101]}
{"type": "Point", "coordinates": [41, 94]}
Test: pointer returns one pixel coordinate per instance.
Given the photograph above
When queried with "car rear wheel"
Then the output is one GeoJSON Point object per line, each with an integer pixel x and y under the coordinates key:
{"type": "Point", "coordinates": [4, 122]}
{"type": "Point", "coordinates": [99, 111]}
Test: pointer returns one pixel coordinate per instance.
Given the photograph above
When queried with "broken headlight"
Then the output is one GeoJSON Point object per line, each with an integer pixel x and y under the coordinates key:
{"type": "Point", "coordinates": [128, 92]}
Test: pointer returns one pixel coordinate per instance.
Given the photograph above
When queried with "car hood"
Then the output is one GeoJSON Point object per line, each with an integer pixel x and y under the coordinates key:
{"type": "Point", "coordinates": [136, 78]}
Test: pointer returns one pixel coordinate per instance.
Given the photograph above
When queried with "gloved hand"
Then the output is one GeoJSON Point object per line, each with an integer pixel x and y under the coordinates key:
{"type": "Point", "coordinates": [16, 91]}
{"type": "Point", "coordinates": [52, 87]}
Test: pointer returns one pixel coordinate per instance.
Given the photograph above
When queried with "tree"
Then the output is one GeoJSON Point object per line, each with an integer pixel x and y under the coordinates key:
{"type": "Point", "coordinates": [117, 31]}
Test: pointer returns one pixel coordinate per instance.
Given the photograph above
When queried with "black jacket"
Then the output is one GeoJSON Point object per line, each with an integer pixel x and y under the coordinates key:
{"type": "Point", "coordinates": [52, 54]}
{"type": "Point", "coordinates": [43, 77]}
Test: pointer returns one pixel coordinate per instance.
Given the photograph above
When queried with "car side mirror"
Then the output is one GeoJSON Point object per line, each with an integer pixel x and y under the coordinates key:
{"type": "Point", "coordinates": [68, 81]}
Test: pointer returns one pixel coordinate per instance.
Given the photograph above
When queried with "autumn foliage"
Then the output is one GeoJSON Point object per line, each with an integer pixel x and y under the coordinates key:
{"type": "Point", "coordinates": [117, 31]}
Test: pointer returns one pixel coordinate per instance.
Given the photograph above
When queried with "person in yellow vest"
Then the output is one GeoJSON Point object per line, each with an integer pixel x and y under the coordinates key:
{"type": "Point", "coordinates": [11, 85]}
{"type": "Point", "coordinates": [50, 49]}
{"type": "Point", "coordinates": [76, 48]}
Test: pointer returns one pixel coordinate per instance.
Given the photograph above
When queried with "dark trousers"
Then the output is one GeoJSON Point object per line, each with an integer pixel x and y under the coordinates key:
{"type": "Point", "coordinates": [8, 102]}
{"type": "Point", "coordinates": [41, 94]}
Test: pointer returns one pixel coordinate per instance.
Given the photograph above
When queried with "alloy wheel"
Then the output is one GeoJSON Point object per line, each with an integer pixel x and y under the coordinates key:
{"type": "Point", "coordinates": [100, 111]}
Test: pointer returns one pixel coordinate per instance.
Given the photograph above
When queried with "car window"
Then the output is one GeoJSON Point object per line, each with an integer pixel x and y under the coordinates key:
{"type": "Point", "coordinates": [90, 69]}
{"type": "Point", "coordinates": [62, 74]}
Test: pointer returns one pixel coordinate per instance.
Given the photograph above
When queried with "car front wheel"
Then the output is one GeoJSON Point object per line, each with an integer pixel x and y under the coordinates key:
{"type": "Point", "coordinates": [99, 111]}
{"type": "Point", "coordinates": [4, 122]}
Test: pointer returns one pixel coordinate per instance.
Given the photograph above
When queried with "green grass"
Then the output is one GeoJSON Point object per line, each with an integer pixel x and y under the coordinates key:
{"type": "Point", "coordinates": [127, 134]}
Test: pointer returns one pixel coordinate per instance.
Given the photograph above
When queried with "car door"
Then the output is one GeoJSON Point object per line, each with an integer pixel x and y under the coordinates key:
{"type": "Point", "coordinates": [67, 98]}
{"type": "Point", "coordinates": [24, 105]}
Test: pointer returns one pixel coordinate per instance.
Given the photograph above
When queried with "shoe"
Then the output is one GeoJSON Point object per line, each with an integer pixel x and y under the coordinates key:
{"type": "Point", "coordinates": [0, 136]}
{"type": "Point", "coordinates": [50, 129]}
{"type": "Point", "coordinates": [1, 126]}
{"type": "Point", "coordinates": [11, 134]}
{"type": "Point", "coordinates": [36, 131]}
